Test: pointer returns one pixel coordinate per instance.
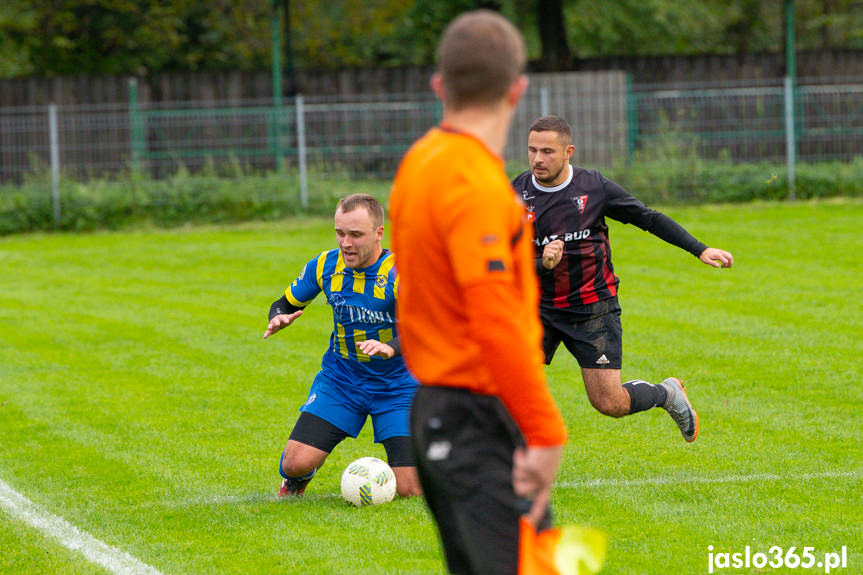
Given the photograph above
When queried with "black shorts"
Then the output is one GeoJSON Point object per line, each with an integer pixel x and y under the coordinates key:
{"type": "Point", "coordinates": [321, 434]}
{"type": "Point", "coordinates": [594, 337]}
{"type": "Point", "coordinates": [463, 444]}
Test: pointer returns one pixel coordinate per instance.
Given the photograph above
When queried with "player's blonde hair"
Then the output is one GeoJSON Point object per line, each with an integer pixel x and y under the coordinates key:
{"type": "Point", "coordinates": [480, 55]}
{"type": "Point", "coordinates": [370, 203]}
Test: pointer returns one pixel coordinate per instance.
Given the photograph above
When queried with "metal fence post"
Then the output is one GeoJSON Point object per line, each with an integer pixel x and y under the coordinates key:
{"type": "Point", "coordinates": [790, 136]}
{"type": "Point", "coordinates": [276, 60]}
{"type": "Point", "coordinates": [631, 120]}
{"type": "Point", "coordinates": [136, 132]}
{"type": "Point", "coordinates": [790, 94]}
{"type": "Point", "coordinates": [301, 151]}
{"type": "Point", "coordinates": [543, 101]}
{"type": "Point", "coordinates": [55, 162]}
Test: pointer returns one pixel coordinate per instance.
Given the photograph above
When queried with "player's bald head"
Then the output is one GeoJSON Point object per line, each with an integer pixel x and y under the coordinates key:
{"type": "Point", "coordinates": [480, 55]}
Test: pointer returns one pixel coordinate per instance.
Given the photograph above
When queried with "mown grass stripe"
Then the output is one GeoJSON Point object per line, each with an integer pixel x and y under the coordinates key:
{"type": "Point", "coordinates": [751, 478]}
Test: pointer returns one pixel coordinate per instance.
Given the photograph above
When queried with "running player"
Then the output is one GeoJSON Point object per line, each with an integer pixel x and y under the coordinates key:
{"type": "Point", "coordinates": [579, 306]}
{"type": "Point", "coordinates": [362, 372]}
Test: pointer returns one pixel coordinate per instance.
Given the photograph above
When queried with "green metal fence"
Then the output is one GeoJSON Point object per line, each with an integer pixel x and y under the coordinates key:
{"type": "Point", "coordinates": [747, 124]}
{"type": "Point", "coordinates": [616, 124]}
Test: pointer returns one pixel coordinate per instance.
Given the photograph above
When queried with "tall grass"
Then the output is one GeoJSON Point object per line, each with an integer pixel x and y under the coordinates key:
{"type": "Point", "coordinates": [239, 194]}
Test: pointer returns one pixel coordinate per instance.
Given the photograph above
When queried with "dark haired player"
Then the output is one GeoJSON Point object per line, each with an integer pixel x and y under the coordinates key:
{"type": "Point", "coordinates": [579, 305]}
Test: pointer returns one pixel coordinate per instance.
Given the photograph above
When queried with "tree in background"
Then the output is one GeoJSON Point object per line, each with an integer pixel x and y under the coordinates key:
{"type": "Point", "coordinates": [75, 37]}
{"type": "Point", "coordinates": [342, 33]}
{"type": "Point", "coordinates": [80, 37]}
{"type": "Point", "coordinates": [14, 58]}
{"type": "Point", "coordinates": [551, 27]}
{"type": "Point", "coordinates": [83, 37]}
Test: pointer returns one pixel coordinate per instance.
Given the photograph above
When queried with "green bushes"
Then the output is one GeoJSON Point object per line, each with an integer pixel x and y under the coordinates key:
{"type": "Point", "coordinates": [701, 181]}
{"type": "Point", "coordinates": [206, 198]}
{"type": "Point", "coordinates": [180, 199]}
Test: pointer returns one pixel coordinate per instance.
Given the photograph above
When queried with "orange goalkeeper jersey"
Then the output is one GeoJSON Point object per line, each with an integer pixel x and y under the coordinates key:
{"type": "Point", "coordinates": [468, 299]}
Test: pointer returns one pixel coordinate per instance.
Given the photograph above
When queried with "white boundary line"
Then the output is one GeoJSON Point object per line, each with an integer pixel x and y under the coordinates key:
{"type": "Point", "coordinates": [753, 478]}
{"type": "Point", "coordinates": [113, 559]}
{"type": "Point", "coordinates": [584, 484]}
{"type": "Point", "coordinates": [121, 563]}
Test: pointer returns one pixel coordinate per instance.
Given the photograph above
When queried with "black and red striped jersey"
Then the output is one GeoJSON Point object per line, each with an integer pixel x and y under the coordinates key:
{"type": "Point", "coordinates": [575, 212]}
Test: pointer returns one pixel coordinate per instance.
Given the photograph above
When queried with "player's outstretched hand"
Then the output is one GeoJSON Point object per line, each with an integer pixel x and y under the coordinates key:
{"type": "Point", "coordinates": [533, 473]}
{"type": "Point", "coordinates": [374, 347]}
{"type": "Point", "coordinates": [281, 321]}
{"type": "Point", "coordinates": [717, 258]}
{"type": "Point", "coordinates": [552, 253]}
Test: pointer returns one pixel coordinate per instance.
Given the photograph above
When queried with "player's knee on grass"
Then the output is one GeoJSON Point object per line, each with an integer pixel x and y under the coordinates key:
{"type": "Point", "coordinates": [311, 441]}
{"type": "Point", "coordinates": [400, 458]}
{"type": "Point", "coordinates": [407, 482]}
{"type": "Point", "coordinates": [298, 460]}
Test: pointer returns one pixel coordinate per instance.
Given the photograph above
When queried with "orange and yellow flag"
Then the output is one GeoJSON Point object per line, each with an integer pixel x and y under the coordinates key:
{"type": "Point", "coordinates": [567, 550]}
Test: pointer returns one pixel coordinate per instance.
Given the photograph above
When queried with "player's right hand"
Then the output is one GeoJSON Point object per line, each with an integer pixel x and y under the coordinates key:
{"type": "Point", "coordinates": [533, 473]}
{"type": "Point", "coordinates": [280, 321]}
{"type": "Point", "coordinates": [552, 254]}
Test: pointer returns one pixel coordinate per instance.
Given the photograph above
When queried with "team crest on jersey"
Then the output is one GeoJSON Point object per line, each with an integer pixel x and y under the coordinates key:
{"type": "Point", "coordinates": [338, 304]}
{"type": "Point", "coordinates": [580, 202]}
{"type": "Point", "coordinates": [381, 281]}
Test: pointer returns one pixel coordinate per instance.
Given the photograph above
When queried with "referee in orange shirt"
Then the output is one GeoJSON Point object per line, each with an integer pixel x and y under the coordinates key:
{"type": "Point", "coordinates": [486, 433]}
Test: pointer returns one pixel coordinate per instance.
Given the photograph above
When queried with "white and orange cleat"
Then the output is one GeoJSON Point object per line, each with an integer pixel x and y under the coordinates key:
{"type": "Point", "coordinates": [680, 409]}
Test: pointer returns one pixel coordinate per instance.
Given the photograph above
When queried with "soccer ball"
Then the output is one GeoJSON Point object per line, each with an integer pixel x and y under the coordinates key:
{"type": "Point", "coordinates": [368, 481]}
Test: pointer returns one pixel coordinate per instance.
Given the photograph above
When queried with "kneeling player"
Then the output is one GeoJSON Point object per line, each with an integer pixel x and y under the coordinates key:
{"type": "Point", "coordinates": [362, 372]}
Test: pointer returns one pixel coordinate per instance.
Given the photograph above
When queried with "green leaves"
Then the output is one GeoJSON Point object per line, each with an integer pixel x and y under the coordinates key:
{"type": "Point", "coordinates": [78, 37]}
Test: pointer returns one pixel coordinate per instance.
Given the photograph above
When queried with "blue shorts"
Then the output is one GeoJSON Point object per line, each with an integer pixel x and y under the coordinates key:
{"type": "Point", "coordinates": [346, 407]}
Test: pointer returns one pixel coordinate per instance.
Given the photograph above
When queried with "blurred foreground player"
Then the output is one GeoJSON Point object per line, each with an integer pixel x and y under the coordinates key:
{"type": "Point", "coordinates": [486, 432]}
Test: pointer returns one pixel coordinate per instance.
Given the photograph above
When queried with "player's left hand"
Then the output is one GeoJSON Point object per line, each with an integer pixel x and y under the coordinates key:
{"type": "Point", "coordinates": [374, 347]}
{"type": "Point", "coordinates": [717, 258]}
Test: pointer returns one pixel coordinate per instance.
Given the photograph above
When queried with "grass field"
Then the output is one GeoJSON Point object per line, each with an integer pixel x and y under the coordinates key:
{"type": "Point", "coordinates": [139, 402]}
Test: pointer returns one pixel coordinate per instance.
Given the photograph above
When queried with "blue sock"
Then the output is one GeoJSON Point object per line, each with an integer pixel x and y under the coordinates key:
{"type": "Point", "coordinates": [305, 477]}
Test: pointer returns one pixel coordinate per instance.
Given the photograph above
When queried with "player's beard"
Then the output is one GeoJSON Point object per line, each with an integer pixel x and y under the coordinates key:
{"type": "Point", "coordinates": [362, 257]}
{"type": "Point", "coordinates": [355, 260]}
{"type": "Point", "coordinates": [549, 180]}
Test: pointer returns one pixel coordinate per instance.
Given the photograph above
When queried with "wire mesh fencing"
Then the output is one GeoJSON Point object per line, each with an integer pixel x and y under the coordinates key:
{"type": "Point", "coordinates": [680, 132]}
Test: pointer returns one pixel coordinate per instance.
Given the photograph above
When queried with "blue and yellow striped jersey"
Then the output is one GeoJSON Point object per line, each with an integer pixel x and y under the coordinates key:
{"type": "Point", "coordinates": [364, 307]}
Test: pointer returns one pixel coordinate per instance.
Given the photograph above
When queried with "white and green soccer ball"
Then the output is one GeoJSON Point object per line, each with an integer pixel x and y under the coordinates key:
{"type": "Point", "coordinates": [368, 481]}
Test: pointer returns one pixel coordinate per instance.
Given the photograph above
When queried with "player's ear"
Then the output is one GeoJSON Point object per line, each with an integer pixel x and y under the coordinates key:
{"type": "Point", "coordinates": [436, 83]}
{"type": "Point", "coordinates": [516, 90]}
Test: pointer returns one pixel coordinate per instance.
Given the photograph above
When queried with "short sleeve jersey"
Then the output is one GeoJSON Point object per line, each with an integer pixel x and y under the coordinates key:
{"type": "Point", "coordinates": [363, 303]}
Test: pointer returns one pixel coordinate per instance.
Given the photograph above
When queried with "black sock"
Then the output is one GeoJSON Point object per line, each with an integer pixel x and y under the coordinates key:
{"type": "Point", "coordinates": [643, 395]}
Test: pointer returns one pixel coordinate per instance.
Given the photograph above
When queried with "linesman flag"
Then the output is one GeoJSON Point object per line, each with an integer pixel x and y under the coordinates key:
{"type": "Point", "coordinates": [567, 550]}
